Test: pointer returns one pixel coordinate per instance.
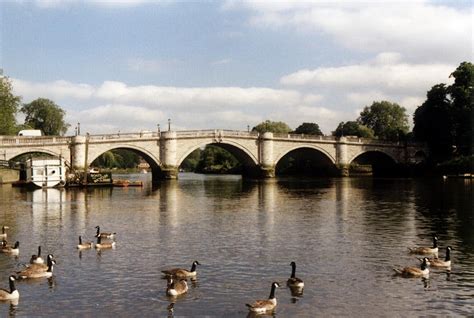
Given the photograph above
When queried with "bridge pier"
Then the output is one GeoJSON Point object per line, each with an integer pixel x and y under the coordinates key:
{"type": "Point", "coordinates": [168, 147]}
{"type": "Point", "coordinates": [78, 149]}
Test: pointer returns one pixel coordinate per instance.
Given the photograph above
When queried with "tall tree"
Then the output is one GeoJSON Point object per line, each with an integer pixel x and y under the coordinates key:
{"type": "Point", "coordinates": [388, 120]}
{"type": "Point", "coordinates": [277, 127]}
{"type": "Point", "coordinates": [308, 129]}
{"type": "Point", "coordinates": [434, 123]}
{"type": "Point", "coordinates": [45, 115]}
{"type": "Point", "coordinates": [9, 105]}
{"type": "Point", "coordinates": [353, 128]}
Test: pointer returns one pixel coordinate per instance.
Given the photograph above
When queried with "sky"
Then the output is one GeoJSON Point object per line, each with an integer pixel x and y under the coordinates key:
{"type": "Point", "coordinates": [131, 65]}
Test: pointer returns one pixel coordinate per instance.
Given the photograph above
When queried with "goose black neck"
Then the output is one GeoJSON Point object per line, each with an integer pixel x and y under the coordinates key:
{"type": "Point", "coordinates": [39, 251]}
{"type": "Point", "coordinates": [435, 242]}
{"type": "Point", "coordinates": [272, 292]}
{"type": "Point", "coordinates": [423, 265]}
{"type": "Point", "coordinates": [448, 255]}
{"type": "Point", "coordinates": [293, 270]}
{"type": "Point", "coordinates": [12, 286]}
{"type": "Point", "coordinates": [99, 240]}
{"type": "Point", "coordinates": [193, 267]}
{"type": "Point", "coordinates": [98, 230]}
{"type": "Point", "coordinates": [3, 230]}
{"type": "Point", "coordinates": [80, 240]}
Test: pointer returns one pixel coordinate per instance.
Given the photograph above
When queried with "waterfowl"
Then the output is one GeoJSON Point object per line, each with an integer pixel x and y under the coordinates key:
{"type": "Point", "coordinates": [3, 235]}
{"type": "Point", "coordinates": [37, 259]}
{"type": "Point", "coordinates": [15, 250]}
{"type": "Point", "coordinates": [37, 270]}
{"type": "Point", "coordinates": [108, 235]}
{"type": "Point", "coordinates": [182, 273]}
{"type": "Point", "coordinates": [43, 267]}
{"type": "Point", "coordinates": [176, 287]}
{"type": "Point", "coordinates": [435, 262]}
{"type": "Point", "coordinates": [84, 245]}
{"type": "Point", "coordinates": [100, 245]}
{"type": "Point", "coordinates": [267, 305]}
{"type": "Point", "coordinates": [423, 271]}
{"type": "Point", "coordinates": [13, 293]}
{"type": "Point", "coordinates": [426, 250]}
{"type": "Point", "coordinates": [294, 281]}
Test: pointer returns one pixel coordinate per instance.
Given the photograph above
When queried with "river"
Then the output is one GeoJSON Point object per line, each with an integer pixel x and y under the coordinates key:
{"type": "Point", "coordinates": [345, 235]}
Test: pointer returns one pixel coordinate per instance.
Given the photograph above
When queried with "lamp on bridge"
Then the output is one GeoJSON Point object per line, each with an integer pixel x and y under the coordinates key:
{"type": "Point", "coordinates": [158, 126]}
{"type": "Point", "coordinates": [78, 128]}
{"type": "Point", "coordinates": [169, 124]}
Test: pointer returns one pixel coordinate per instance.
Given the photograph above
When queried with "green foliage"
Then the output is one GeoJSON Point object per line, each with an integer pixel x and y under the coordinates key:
{"type": "Point", "coordinates": [389, 121]}
{"type": "Point", "coordinates": [45, 115]}
{"type": "Point", "coordinates": [191, 162]}
{"type": "Point", "coordinates": [216, 160]}
{"type": "Point", "coordinates": [444, 121]}
{"type": "Point", "coordinates": [308, 129]}
{"type": "Point", "coordinates": [117, 158]}
{"type": "Point", "coordinates": [277, 127]}
{"type": "Point", "coordinates": [9, 105]}
{"type": "Point", "coordinates": [353, 128]}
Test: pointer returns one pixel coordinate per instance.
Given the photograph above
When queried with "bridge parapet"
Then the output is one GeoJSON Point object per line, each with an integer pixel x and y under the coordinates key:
{"type": "Point", "coordinates": [21, 140]}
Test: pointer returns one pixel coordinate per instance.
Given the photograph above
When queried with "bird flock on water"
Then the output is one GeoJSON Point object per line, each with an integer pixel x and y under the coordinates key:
{"type": "Point", "coordinates": [176, 278]}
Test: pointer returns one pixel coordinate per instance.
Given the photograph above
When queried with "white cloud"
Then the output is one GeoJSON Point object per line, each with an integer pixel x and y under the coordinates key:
{"type": "Point", "coordinates": [54, 90]}
{"type": "Point", "coordinates": [419, 30]}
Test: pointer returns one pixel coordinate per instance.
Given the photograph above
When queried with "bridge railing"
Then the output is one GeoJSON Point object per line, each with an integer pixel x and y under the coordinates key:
{"type": "Point", "coordinates": [21, 140]}
{"type": "Point", "coordinates": [215, 132]}
{"type": "Point", "coordinates": [304, 136]}
{"type": "Point", "coordinates": [142, 134]}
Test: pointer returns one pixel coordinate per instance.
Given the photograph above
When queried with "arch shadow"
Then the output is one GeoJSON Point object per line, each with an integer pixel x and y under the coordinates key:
{"type": "Point", "coordinates": [306, 161]}
{"type": "Point", "coordinates": [374, 163]}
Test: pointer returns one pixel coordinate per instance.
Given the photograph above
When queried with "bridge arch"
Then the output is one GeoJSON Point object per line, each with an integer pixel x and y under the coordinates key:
{"type": "Point", "coordinates": [241, 153]}
{"type": "Point", "coordinates": [150, 158]}
{"type": "Point", "coordinates": [374, 162]}
{"type": "Point", "coordinates": [40, 150]}
{"type": "Point", "coordinates": [307, 160]}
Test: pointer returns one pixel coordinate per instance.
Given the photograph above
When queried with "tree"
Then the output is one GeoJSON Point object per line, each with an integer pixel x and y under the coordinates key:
{"type": "Point", "coordinates": [434, 122]}
{"type": "Point", "coordinates": [9, 105]}
{"type": "Point", "coordinates": [308, 129]}
{"type": "Point", "coordinates": [388, 120]}
{"type": "Point", "coordinates": [45, 115]}
{"type": "Point", "coordinates": [444, 121]}
{"type": "Point", "coordinates": [353, 128]}
{"type": "Point", "coordinates": [277, 127]}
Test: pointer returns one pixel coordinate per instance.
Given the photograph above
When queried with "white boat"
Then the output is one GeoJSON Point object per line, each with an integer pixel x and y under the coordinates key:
{"type": "Point", "coordinates": [45, 173]}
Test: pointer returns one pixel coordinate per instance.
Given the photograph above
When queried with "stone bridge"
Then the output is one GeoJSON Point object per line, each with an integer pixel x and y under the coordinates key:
{"type": "Point", "coordinates": [259, 153]}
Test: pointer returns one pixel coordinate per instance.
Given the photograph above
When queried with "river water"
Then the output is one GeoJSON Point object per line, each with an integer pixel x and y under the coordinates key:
{"type": "Point", "coordinates": [345, 235]}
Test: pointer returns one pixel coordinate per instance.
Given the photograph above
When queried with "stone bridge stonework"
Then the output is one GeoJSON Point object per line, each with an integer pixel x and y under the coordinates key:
{"type": "Point", "coordinates": [165, 151]}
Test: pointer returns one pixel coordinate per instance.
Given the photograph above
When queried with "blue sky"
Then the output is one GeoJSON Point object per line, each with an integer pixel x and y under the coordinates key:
{"type": "Point", "coordinates": [129, 65]}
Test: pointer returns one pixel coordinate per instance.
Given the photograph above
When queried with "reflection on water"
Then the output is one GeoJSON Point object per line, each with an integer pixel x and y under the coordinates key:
{"type": "Point", "coordinates": [344, 234]}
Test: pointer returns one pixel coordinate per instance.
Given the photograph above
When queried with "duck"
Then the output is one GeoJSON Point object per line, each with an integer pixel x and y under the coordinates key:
{"type": "Point", "coordinates": [38, 271]}
{"type": "Point", "coordinates": [3, 235]}
{"type": "Point", "coordinates": [182, 273]}
{"type": "Point", "coordinates": [267, 305]}
{"type": "Point", "coordinates": [84, 245]}
{"type": "Point", "coordinates": [294, 281]}
{"type": "Point", "coordinates": [100, 245]}
{"type": "Point", "coordinates": [108, 235]}
{"type": "Point", "coordinates": [426, 250]}
{"type": "Point", "coordinates": [176, 287]}
{"type": "Point", "coordinates": [37, 259]}
{"type": "Point", "coordinates": [423, 271]}
{"type": "Point", "coordinates": [15, 250]}
{"type": "Point", "coordinates": [435, 262]}
{"type": "Point", "coordinates": [13, 293]}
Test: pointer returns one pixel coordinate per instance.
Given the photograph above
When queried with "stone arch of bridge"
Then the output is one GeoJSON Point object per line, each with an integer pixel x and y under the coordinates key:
{"type": "Point", "coordinates": [311, 147]}
{"type": "Point", "coordinates": [372, 152]}
{"type": "Point", "coordinates": [241, 153]}
{"type": "Point", "coordinates": [150, 158]}
{"type": "Point", "coordinates": [40, 150]}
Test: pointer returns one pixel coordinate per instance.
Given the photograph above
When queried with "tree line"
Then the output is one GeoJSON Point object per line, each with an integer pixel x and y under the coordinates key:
{"type": "Point", "coordinates": [443, 122]}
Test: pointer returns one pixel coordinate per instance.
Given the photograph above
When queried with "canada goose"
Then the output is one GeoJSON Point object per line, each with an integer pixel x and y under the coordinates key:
{"type": "Point", "coordinates": [104, 234]}
{"type": "Point", "coordinates": [37, 259]}
{"type": "Point", "coordinates": [423, 271]}
{"type": "Point", "coordinates": [262, 306]}
{"type": "Point", "coordinates": [3, 235]}
{"type": "Point", "coordinates": [100, 245]}
{"type": "Point", "coordinates": [182, 273]}
{"type": "Point", "coordinates": [176, 287]}
{"type": "Point", "coordinates": [15, 250]}
{"type": "Point", "coordinates": [426, 250]}
{"type": "Point", "coordinates": [435, 262]}
{"type": "Point", "coordinates": [37, 270]}
{"type": "Point", "coordinates": [84, 245]}
{"type": "Point", "coordinates": [13, 293]}
{"type": "Point", "coordinates": [294, 281]}
{"type": "Point", "coordinates": [43, 267]}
